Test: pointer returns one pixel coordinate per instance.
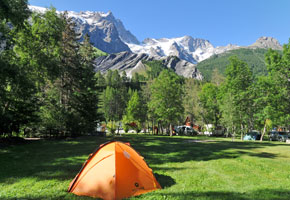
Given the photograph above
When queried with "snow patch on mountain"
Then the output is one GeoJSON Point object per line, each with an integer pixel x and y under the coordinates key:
{"type": "Point", "coordinates": [37, 9]}
{"type": "Point", "coordinates": [107, 33]}
{"type": "Point", "coordinates": [191, 49]}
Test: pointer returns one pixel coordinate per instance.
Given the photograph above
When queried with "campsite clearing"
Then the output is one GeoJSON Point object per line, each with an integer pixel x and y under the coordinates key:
{"type": "Point", "coordinates": [219, 169]}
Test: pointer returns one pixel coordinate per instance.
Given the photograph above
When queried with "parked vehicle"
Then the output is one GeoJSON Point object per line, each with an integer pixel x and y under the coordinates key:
{"type": "Point", "coordinates": [278, 136]}
{"type": "Point", "coordinates": [253, 135]}
{"type": "Point", "coordinates": [211, 130]}
{"type": "Point", "coordinates": [185, 130]}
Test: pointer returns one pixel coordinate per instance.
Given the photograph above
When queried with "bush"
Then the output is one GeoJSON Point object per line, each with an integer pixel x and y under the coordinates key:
{"type": "Point", "coordinates": [112, 127]}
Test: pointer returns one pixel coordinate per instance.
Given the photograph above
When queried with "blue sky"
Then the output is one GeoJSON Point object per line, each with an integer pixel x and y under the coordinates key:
{"type": "Point", "coordinates": [221, 22]}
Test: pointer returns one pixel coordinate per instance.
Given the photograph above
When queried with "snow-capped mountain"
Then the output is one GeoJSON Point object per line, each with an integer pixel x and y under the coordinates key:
{"type": "Point", "coordinates": [187, 48]}
{"type": "Point", "coordinates": [109, 35]}
{"type": "Point", "coordinates": [106, 32]}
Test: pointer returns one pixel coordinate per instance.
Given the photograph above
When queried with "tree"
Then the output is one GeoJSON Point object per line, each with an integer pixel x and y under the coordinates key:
{"type": "Point", "coordinates": [266, 102]}
{"type": "Point", "coordinates": [209, 103]}
{"type": "Point", "coordinates": [113, 107]}
{"type": "Point", "coordinates": [124, 77]}
{"type": "Point", "coordinates": [14, 11]}
{"type": "Point", "coordinates": [166, 98]}
{"type": "Point", "coordinates": [101, 82]}
{"type": "Point", "coordinates": [191, 101]}
{"type": "Point", "coordinates": [135, 111]}
{"type": "Point", "coordinates": [86, 95]}
{"type": "Point", "coordinates": [154, 69]}
{"type": "Point", "coordinates": [19, 102]}
{"type": "Point", "coordinates": [237, 89]}
{"type": "Point", "coordinates": [279, 72]}
{"type": "Point", "coordinates": [273, 91]}
{"type": "Point", "coordinates": [114, 97]}
{"type": "Point", "coordinates": [217, 78]}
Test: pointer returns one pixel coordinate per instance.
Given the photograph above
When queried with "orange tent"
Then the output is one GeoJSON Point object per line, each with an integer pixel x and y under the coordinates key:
{"type": "Point", "coordinates": [114, 171]}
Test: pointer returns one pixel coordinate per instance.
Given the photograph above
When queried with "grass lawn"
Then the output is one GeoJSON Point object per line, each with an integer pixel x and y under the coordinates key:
{"type": "Point", "coordinates": [186, 169]}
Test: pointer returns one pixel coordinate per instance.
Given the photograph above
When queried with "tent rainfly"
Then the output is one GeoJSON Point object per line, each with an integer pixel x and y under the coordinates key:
{"type": "Point", "coordinates": [114, 171]}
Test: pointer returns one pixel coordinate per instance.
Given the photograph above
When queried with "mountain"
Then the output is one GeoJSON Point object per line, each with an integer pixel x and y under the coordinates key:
{"type": "Point", "coordinates": [194, 50]}
{"type": "Point", "coordinates": [254, 57]}
{"type": "Point", "coordinates": [106, 32]}
{"type": "Point", "coordinates": [132, 63]}
{"type": "Point", "coordinates": [266, 43]}
{"type": "Point", "coordinates": [109, 35]}
{"type": "Point", "coordinates": [191, 49]}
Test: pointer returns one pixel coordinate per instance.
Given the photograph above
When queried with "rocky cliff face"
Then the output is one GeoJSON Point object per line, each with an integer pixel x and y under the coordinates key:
{"type": "Point", "coordinates": [267, 42]}
{"type": "Point", "coordinates": [106, 32]}
{"type": "Point", "coordinates": [132, 63]}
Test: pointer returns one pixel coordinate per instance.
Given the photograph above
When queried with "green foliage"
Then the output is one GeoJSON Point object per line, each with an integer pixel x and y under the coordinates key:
{"type": "Point", "coordinates": [19, 101]}
{"type": "Point", "coordinates": [135, 112]}
{"type": "Point", "coordinates": [235, 96]}
{"type": "Point", "coordinates": [113, 104]}
{"type": "Point", "coordinates": [15, 11]}
{"type": "Point", "coordinates": [114, 97]}
{"type": "Point", "coordinates": [38, 45]}
{"type": "Point", "coordinates": [48, 83]}
{"type": "Point", "coordinates": [209, 102]}
{"type": "Point", "coordinates": [166, 97]}
{"type": "Point", "coordinates": [191, 101]}
{"type": "Point", "coordinates": [154, 68]}
{"type": "Point", "coordinates": [101, 81]}
{"type": "Point", "coordinates": [99, 53]}
{"type": "Point", "coordinates": [273, 91]}
{"type": "Point", "coordinates": [111, 125]}
{"type": "Point", "coordinates": [253, 57]}
{"type": "Point", "coordinates": [48, 79]}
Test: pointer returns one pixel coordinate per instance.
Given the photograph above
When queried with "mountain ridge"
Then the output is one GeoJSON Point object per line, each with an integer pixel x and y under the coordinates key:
{"type": "Point", "coordinates": [129, 62]}
{"type": "Point", "coordinates": [109, 34]}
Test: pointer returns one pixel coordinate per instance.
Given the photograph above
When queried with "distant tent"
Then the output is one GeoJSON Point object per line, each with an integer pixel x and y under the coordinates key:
{"type": "Point", "coordinates": [114, 171]}
{"type": "Point", "coordinates": [132, 124]}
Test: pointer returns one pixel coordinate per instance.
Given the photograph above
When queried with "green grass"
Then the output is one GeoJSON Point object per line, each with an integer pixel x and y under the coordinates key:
{"type": "Point", "coordinates": [99, 53]}
{"type": "Point", "coordinates": [218, 169]}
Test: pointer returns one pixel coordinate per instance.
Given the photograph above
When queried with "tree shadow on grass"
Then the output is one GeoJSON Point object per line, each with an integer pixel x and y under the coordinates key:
{"type": "Point", "coordinates": [164, 180]}
{"type": "Point", "coordinates": [61, 159]}
{"type": "Point", "coordinates": [265, 194]}
{"type": "Point", "coordinates": [159, 150]}
{"type": "Point", "coordinates": [53, 159]}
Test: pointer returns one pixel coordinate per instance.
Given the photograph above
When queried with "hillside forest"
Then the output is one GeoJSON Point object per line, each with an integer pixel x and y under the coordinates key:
{"type": "Point", "coordinates": [48, 86]}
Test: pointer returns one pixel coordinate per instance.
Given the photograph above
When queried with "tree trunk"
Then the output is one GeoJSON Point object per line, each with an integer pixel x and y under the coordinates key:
{"type": "Point", "coordinates": [242, 133]}
{"type": "Point", "coordinates": [261, 139]}
{"type": "Point", "coordinates": [153, 129]}
{"type": "Point", "coordinates": [170, 127]}
{"type": "Point", "coordinates": [158, 127]}
{"type": "Point", "coordinates": [234, 133]}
